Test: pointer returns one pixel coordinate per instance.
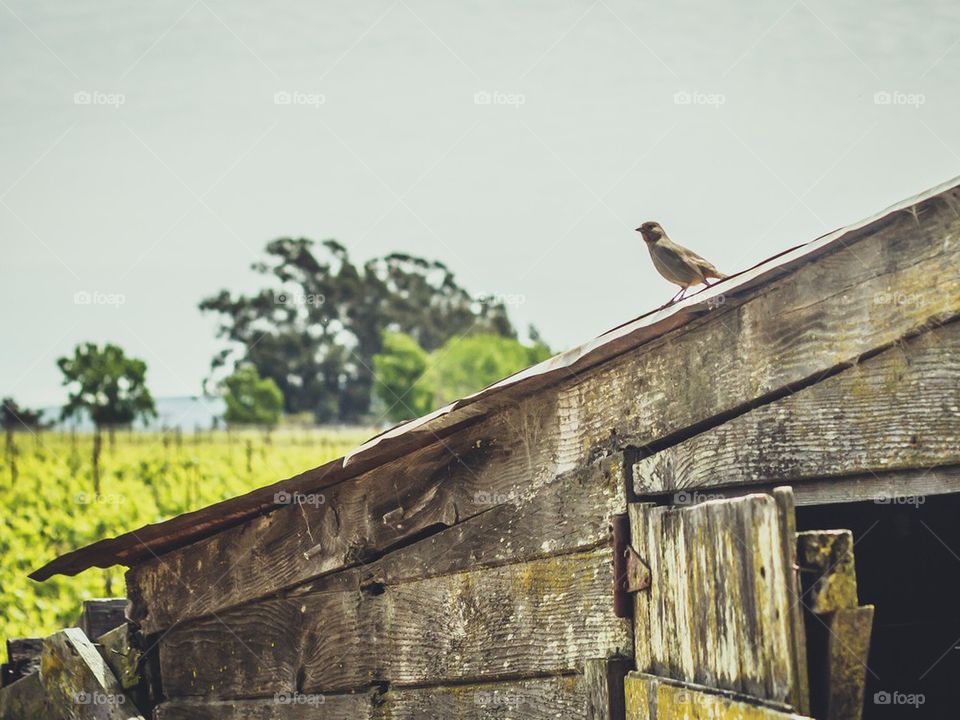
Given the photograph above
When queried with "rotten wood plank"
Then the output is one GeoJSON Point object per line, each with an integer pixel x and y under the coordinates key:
{"type": "Point", "coordinates": [895, 411]}
{"type": "Point", "coordinates": [77, 683]}
{"type": "Point", "coordinates": [722, 605]}
{"type": "Point", "coordinates": [25, 698]}
{"type": "Point", "coordinates": [653, 698]}
{"type": "Point", "coordinates": [847, 655]}
{"type": "Point", "coordinates": [828, 570]}
{"type": "Point", "coordinates": [540, 617]}
{"type": "Point", "coordinates": [821, 317]}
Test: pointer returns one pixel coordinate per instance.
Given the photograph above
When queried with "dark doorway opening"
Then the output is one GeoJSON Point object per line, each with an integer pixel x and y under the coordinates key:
{"type": "Point", "coordinates": [908, 566]}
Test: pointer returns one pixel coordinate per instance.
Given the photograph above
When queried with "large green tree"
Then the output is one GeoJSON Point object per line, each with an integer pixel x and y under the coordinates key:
{"type": "Point", "coordinates": [109, 387]}
{"type": "Point", "coordinates": [411, 382]}
{"type": "Point", "coordinates": [251, 399]}
{"type": "Point", "coordinates": [315, 330]}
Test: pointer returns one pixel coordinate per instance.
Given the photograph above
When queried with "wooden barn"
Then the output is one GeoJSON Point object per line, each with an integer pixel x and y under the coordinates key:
{"type": "Point", "coordinates": [743, 505]}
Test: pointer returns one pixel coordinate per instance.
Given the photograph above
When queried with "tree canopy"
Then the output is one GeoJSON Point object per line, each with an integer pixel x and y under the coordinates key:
{"type": "Point", "coordinates": [317, 328]}
{"type": "Point", "coordinates": [250, 399]}
{"type": "Point", "coordinates": [106, 384]}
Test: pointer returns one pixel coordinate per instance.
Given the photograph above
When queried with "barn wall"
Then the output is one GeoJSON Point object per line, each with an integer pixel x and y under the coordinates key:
{"type": "Point", "coordinates": [484, 560]}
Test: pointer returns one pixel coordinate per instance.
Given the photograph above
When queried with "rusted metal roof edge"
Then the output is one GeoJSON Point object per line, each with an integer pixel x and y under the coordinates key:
{"type": "Point", "coordinates": [157, 538]}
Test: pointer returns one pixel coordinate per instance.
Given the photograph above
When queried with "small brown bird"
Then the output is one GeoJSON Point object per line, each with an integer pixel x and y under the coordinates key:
{"type": "Point", "coordinates": [677, 264]}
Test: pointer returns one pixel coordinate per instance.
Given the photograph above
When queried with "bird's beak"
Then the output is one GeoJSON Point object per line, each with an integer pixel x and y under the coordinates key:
{"type": "Point", "coordinates": [638, 230]}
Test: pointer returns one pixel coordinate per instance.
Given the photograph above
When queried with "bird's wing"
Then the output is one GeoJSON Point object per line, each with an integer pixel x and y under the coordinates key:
{"type": "Point", "coordinates": [706, 268]}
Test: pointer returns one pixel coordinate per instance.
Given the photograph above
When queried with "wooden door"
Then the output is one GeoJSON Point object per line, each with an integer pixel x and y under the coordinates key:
{"type": "Point", "coordinates": [720, 627]}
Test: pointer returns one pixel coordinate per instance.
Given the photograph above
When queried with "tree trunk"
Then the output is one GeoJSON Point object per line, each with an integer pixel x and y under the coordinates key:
{"type": "Point", "coordinates": [97, 444]}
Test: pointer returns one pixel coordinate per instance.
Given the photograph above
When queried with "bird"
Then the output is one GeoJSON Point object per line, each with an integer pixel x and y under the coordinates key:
{"type": "Point", "coordinates": [676, 263]}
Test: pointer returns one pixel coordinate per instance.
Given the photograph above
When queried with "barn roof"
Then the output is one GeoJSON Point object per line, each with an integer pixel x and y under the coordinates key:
{"type": "Point", "coordinates": [154, 539]}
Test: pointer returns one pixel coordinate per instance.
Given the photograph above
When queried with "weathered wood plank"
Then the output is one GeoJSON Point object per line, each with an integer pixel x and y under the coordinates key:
{"type": "Point", "coordinates": [812, 320]}
{"type": "Point", "coordinates": [897, 410]}
{"type": "Point", "coordinates": [847, 655]}
{"type": "Point", "coordinates": [722, 603]}
{"type": "Point", "coordinates": [100, 615]}
{"type": "Point", "coordinates": [23, 658]}
{"type": "Point", "coordinates": [536, 699]}
{"type": "Point", "coordinates": [77, 682]}
{"type": "Point", "coordinates": [541, 617]}
{"type": "Point", "coordinates": [569, 515]}
{"type": "Point", "coordinates": [25, 698]}
{"type": "Point", "coordinates": [603, 680]}
{"type": "Point", "coordinates": [652, 698]}
{"type": "Point", "coordinates": [828, 570]}
{"type": "Point", "coordinates": [286, 707]}
{"type": "Point", "coordinates": [799, 695]}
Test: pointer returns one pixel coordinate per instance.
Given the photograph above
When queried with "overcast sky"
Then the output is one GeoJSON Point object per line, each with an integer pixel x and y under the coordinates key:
{"type": "Point", "coordinates": [150, 150]}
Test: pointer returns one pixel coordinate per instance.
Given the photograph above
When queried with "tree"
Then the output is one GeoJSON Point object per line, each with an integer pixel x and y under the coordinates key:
{"type": "Point", "coordinates": [14, 418]}
{"type": "Point", "coordinates": [109, 387]}
{"type": "Point", "coordinates": [411, 383]}
{"type": "Point", "coordinates": [400, 385]}
{"type": "Point", "coordinates": [315, 331]}
{"type": "Point", "coordinates": [467, 364]}
{"type": "Point", "coordinates": [250, 399]}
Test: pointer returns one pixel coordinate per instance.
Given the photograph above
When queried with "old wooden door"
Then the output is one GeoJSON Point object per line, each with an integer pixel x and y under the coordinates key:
{"type": "Point", "coordinates": [719, 614]}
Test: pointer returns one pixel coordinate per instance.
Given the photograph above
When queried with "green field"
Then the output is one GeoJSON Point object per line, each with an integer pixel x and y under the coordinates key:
{"type": "Point", "coordinates": [46, 488]}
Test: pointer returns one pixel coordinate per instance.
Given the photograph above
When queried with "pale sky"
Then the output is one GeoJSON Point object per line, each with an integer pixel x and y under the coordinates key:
{"type": "Point", "coordinates": [148, 151]}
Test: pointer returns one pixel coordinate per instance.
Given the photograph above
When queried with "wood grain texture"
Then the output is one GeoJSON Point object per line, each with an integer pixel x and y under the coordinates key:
{"type": "Point", "coordinates": [541, 617]}
{"type": "Point", "coordinates": [792, 331]}
{"type": "Point", "coordinates": [550, 698]}
{"type": "Point", "coordinates": [828, 570]}
{"type": "Point", "coordinates": [848, 650]}
{"type": "Point", "coordinates": [897, 410]}
{"type": "Point", "coordinates": [653, 698]}
{"type": "Point", "coordinates": [603, 680]}
{"type": "Point", "coordinates": [721, 606]}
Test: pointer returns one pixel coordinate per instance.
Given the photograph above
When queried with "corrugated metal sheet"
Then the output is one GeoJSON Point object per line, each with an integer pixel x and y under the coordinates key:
{"type": "Point", "coordinates": [155, 539]}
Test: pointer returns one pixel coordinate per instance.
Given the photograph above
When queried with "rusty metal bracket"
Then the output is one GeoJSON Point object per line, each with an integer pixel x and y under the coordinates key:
{"type": "Point", "coordinates": [638, 572]}
{"type": "Point", "coordinates": [630, 572]}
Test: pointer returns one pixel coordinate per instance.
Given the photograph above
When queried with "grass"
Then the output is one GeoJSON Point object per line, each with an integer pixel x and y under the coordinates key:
{"type": "Point", "coordinates": [46, 490]}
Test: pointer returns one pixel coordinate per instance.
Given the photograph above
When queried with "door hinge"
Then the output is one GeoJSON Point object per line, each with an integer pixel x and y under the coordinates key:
{"type": "Point", "coordinates": [630, 573]}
